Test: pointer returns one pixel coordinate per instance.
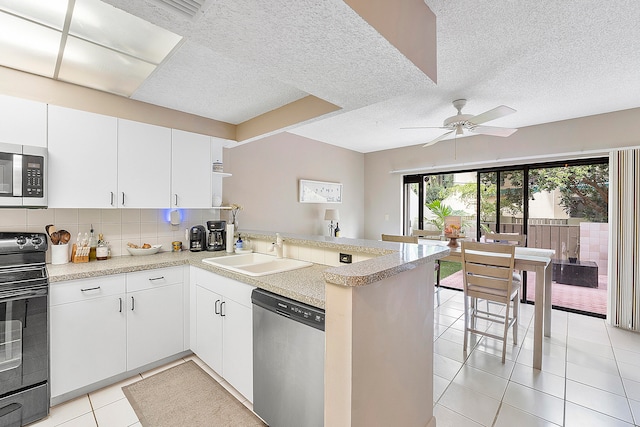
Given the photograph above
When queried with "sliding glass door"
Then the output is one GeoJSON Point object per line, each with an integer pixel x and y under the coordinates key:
{"type": "Point", "coordinates": [568, 212]}
{"type": "Point", "coordinates": [560, 206]}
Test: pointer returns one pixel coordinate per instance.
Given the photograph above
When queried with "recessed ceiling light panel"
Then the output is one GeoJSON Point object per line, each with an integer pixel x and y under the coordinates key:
{"type": "Point", "coordinates": [108, 26]}
{"type": "Point", "coordinates": [27, 46]}
{"type": "Point", "coordinates": [93, 66]}
{"type": "Point", "coordinates": [50, 12]}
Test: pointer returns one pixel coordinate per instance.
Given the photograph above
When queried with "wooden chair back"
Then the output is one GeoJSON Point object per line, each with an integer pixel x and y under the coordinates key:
{"type": "Point", "coordinates": [509, 238]}
{"type": "Point", "coordinates": [428, 234]}
{"type": "Point", "coordinates": [488, 270]}
{"type": "Point", "coordinates": [401, 239]}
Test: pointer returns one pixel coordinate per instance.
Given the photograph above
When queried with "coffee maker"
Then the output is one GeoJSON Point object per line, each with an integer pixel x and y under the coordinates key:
{"type": "Point", "coordinates": [217, 235]}
{"type": "Point", "coordinates": [197, 238]}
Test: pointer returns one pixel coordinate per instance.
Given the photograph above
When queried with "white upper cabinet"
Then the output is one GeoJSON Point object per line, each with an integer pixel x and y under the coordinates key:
{"type": "Point", "coordinates": [190, 170]}
{"type": "Point", "coordinates": [23, 122]}
{"type": "Point", "coordinates": [144, 165]}
{"type": "Point", "coordinates": [83, 161]}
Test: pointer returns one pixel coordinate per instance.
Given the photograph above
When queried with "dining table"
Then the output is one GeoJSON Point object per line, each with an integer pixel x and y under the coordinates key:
{"type": "Point", "coordinates": [526, 259]}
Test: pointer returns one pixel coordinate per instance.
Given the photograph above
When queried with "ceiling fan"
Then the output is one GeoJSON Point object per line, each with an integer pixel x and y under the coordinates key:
{"type": "Point", "coordinates": [471, 123]}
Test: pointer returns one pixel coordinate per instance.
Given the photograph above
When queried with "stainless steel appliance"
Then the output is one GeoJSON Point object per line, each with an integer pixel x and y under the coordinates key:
{"type": "Point", "coordinates": [197, 238]}
{"type": "Point", "coordinates": [288, 361]}
{"type": "Point", "coordinates": [24, 332]}
{"type": "Point", "coordinates": [217, 235]}
{"type": "Point", "coordinates": [22, 176]}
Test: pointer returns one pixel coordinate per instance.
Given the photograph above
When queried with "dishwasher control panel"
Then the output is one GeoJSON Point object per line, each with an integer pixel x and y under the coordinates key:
{"type": "Point", "coordinates": [302, 312]}
{"type": "Point", "coordinates": [295, 310]}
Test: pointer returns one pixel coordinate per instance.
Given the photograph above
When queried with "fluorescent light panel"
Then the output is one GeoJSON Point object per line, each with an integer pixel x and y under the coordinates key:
{"type": "Point", "coordinates": [106, 49]}
{"type": "Point", "coordinates": [49, 12]}
{"type": "Point", "coordinates": [28, 46]}
{"type": "Point", "coordinates": [107, 26]}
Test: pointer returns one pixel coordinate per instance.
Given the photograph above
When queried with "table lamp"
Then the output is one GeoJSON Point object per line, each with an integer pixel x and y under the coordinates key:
{"type": "Point", "coordinates": [331, 215]}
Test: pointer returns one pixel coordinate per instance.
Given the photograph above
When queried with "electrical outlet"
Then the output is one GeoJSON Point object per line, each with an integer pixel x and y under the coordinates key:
{"type": "Point", "coordinates": [345, 258]}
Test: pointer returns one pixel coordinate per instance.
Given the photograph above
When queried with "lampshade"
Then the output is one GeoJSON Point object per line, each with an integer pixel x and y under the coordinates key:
{"type": "Point", "coordinates": [331, 215]}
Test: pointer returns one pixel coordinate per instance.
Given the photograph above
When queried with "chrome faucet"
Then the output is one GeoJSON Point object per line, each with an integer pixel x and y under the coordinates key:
{"type": "Point", "coordinates": [278, 245]}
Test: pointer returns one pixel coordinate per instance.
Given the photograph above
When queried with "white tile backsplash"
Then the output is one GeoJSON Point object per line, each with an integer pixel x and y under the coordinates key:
{"type": "Point", "coordinates": [138, 226]}
{"type": "Point", "coordinates": [130, 215]}
{"type": "Point", "coordinates": [119, 226]}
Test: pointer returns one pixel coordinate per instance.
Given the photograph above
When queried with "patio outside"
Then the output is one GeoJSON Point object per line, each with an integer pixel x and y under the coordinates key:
{"type": "Point", "coordinates": [567, 212]}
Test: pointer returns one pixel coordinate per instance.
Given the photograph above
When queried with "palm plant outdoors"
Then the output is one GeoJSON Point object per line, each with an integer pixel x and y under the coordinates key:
{"type": "Point", "coordinates": [441, 211]}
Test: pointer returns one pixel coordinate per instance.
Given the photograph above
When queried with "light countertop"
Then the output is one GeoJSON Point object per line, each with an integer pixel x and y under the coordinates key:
{"type": "Point", "coordinates": [305, 285]}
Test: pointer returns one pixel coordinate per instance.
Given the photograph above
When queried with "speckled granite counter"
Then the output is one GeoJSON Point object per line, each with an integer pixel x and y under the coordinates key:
{"type": "Point", "coordinates": [304, 285]}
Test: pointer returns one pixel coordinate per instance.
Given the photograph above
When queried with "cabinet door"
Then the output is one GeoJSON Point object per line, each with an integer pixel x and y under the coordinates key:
{"type": "Point", "coordinates": [23, 121]}
{"type": "Point", "coordinates": [155, 324]}
{"type": "Point", "coordinates": [209, 328]}
{"type": "Point", "coordinates": [88, 339]}
{"type": "Point", "coordinates": [237, 345]}
{"type": "Point", "coordinates": [144, 165]}
{"type": "Point", "coordinates": [190, 170]}
{"type": "Point", "coordinates": [82, 159]}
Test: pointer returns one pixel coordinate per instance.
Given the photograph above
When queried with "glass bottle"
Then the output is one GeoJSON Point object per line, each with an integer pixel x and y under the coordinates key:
{"type": "Point", "coordinates": [102, 249]}
{"type": "Point", "coordinates": [93, 244]}
{"type": "Point", "coordinates": [337, 230]}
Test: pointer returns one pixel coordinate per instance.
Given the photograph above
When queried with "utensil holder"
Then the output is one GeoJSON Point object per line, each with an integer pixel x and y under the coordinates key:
{"type": "Point", "coordinates": [60, 254]}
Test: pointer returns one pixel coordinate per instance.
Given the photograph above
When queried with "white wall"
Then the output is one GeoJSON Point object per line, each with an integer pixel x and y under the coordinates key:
{"type": "Point", "coordinates": [583, 137]}
{"type": "Point", "coordinates": [265, 183]}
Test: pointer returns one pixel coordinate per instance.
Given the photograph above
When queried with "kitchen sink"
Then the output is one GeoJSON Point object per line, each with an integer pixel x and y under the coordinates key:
{"type": "Point", "coordinates": [255, 264]}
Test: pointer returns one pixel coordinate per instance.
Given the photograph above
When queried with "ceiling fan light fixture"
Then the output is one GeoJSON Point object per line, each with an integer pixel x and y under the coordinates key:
{"type": "Point", "coordinates": [457, 124]}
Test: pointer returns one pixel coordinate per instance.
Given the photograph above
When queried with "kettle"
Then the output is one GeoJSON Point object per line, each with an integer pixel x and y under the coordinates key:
{"type": "Point", "coordinates": [197, 238]}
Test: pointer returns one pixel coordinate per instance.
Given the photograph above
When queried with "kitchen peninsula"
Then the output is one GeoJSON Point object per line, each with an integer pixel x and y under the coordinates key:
{"type": "Point", "coordinates": [379, 311]}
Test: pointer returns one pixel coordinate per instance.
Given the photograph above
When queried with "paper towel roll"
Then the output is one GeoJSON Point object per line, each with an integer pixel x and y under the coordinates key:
{"type": "Point", "coordinates": [230, 237]}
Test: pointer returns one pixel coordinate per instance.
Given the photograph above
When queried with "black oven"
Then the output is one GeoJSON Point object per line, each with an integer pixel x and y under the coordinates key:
{"type": "Point", "coordinates": [24, 332]}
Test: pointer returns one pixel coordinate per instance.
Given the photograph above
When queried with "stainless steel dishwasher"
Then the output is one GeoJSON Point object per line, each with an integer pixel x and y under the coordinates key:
{"type": "Point", "coordinates": [288, 361]}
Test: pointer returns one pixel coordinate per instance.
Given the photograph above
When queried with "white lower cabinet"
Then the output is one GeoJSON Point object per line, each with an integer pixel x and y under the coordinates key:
{"type": "Point", "coordinates": [155, 315]}
{"type": "Point", "coordinates": [87, 332]}
{"type": "Point", "coordinates": [224, 328]}
{"type": "Point", "coordinates": [110, 325]}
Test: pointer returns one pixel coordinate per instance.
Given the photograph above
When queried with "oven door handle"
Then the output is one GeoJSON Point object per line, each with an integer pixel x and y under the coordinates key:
{"type": "Point", "coordinates": [21, 294]}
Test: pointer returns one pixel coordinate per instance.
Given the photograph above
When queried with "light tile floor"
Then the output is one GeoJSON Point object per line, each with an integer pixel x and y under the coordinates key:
{"type": "Point", "coordinates": [590, 377]}
{"type": "Point", "coordinates": [108, 407]}
{"type": "Point", "coordinates": [590, 373]}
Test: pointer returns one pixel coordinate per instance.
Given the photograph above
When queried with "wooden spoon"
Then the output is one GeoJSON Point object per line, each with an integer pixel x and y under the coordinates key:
{"type": "Point", "coordinates": [49, 229]}
{"type": "Point", "coordinates": [64, 236]}
{"type": "Point", "coordinates": [55, 238]}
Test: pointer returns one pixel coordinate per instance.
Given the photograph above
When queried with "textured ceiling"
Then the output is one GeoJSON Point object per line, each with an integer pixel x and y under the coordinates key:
{"type": "Point", "coordinates": [550, 60]}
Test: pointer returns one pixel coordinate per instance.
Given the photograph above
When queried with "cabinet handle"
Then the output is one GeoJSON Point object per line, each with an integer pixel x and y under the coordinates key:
{"type": "Point", "coordinates": [90, 289]}
{"type": "Point", "coordinates": [176, 197]}
{"type": "Point", "coordinates": [156, 278]}
{"type": "Point", "coordinates": [120, 310]}
{"type": "Point", "coordinates": [216, 310]}
{"type": "Point", "coordinates": [222, 309]}
{"type": "Point", "coordinates": [123, 198]}
{"type": "Point", "coordinates": [133, 304]}
{"type": "Point", "coordinates": [111, 202]}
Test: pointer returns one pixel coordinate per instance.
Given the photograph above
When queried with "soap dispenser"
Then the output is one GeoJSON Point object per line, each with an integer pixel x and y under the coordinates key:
{"type": "Point", "coordinates": [239, 243]}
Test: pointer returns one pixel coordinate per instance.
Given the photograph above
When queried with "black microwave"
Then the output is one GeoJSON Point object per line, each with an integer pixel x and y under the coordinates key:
{"type": "Point", "coordinates": [23, 172]}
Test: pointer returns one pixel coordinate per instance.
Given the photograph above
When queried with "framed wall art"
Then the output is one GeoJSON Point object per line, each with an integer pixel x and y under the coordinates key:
{"type": "Point", "coordinates": [320, 192]}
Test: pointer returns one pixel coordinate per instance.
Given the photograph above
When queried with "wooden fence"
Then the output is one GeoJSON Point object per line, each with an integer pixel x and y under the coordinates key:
{"type": "Point", "coordinates": [548, 234]}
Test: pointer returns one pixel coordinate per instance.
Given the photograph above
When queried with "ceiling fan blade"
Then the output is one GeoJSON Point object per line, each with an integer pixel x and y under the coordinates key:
{"type": "Point", "coordinates": [493, 114]}
{"type": "Point", "coordinates": [426, 127]}
{"type": "Point", "coordinates": [492, 130]}
{"type": "Point", "coordinates": [433, 141]}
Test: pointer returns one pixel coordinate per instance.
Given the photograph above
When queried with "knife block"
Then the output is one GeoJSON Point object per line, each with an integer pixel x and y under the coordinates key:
{"type": "Point", "coordinates": [79, 254]}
